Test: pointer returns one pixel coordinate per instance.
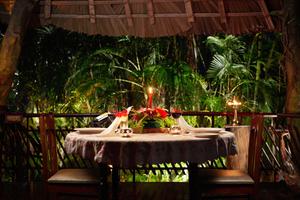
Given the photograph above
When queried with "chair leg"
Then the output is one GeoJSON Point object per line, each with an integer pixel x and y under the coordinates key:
{"type": "Point", "coordinates": [103, 189]}
{"type": "Point", "coordinates": [193, 193]}
{"type": "Point", "coordinates": [103, 192]}
{"type": "Point", "coordinates": [115, 183]}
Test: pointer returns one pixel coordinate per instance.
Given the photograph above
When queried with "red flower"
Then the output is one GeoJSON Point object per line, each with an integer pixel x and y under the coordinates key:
{"type": "Point", "coordinates": [162, 112]}
{"type": "Point", "coordinates": [143, 113]}
{"type": "Point", "coordinates": [123, 113]}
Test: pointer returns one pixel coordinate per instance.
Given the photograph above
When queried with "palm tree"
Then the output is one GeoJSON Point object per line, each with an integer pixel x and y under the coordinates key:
{"type": "Point", "coordinates": [179, 84]}
{"type": "Point", "coordinates": [119, 71]}
{"type": "Point", "coordinates": [226, 75]}
{"type": "Point", "coordinates": [227, 70]}
{"type": "Point", "coordinates": [234, 71]}
{"type": "Point", "coordinates": [230, 47]}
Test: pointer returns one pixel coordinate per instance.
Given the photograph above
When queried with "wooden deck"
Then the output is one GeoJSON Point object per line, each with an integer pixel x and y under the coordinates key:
{"type": "Point", "coordinates": [140, 191]}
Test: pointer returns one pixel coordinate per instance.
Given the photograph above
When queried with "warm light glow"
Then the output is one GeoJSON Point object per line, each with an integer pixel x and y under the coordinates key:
{"type": "Point", "coordinates": [150, 90]}
{"type": "Point", "coordinates": [234, 102]}
{"type": "Point", "coordinates": [235, 105]}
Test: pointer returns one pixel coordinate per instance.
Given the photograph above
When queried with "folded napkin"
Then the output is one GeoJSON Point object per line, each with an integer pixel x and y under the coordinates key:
{"type": "Point", "coordinates": [183, 124]}
{"type": "Point", "coordinates": [120, 117]}
{"type": "Point", "coordinates": [188, 128]}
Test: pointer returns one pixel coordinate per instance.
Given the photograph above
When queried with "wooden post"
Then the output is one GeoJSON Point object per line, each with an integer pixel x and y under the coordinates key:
{"type": "Point", "coordinates": [48, 145]}
{"type": "Point", "coordinates": [255, 147]}
{"type": "Point", "coordinates": [291, 44]}
{"type": "Point", "coordinates": [42, 130]}
{"type": "Point", "coordinates": [240, 161]}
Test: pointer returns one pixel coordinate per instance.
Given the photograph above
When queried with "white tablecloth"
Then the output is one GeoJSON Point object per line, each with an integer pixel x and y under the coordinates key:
{"type": "Point", "coordinates": [149, 148]}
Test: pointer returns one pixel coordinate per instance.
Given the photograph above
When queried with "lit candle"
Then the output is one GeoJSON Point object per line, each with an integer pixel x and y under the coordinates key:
{"type": "Point", "coordinates": [150, 96]}
{"type": "Point", "coordinates": [235, 105]}
{"type": "Point", "coordinates": [234, 102]}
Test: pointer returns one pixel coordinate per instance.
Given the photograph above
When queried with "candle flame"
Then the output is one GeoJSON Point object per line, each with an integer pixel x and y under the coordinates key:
{"type": "Point", "coordinates": [150, 90]}
{"type": "Point", "coordinates": [234, 102]}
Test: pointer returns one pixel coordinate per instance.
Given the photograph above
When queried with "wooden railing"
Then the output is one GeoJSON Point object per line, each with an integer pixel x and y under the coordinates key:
{"type": "Point", "coordinates": [20, 151]}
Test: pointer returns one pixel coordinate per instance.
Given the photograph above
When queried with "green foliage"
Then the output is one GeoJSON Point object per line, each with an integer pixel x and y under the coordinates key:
{"type": "Point", "coordinates": [246, 72]}
{"type": "Point", "coordinates": [158, 176]}
{"type": "Point", "coordinates": [68, 72]}
{"type": "Point", "coordinates": [231, 47]}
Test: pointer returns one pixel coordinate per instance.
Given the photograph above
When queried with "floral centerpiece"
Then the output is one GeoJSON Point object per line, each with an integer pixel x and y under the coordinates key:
{"type": "Point", "coordinates": [150, 118]}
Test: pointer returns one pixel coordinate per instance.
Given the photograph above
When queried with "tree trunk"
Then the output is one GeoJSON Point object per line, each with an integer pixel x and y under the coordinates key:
{"type": "Point", "coordinates": [11, 45]}
{"type": "Point", "coordinates": [192, 54]}
{"type": "Point", "coordinates": [258, 71]}
{"type": "Point", "coordinates": [291, 38]}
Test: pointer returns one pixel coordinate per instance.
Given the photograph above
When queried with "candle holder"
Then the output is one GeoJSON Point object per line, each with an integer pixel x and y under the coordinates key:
{"type": "Point", "coordinates": [124, 130]}
{"type": "Point", "coordinates": [235, 104]}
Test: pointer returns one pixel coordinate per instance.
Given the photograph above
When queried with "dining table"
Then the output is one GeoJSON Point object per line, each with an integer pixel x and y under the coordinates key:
{"type": "Point", "coordinates": [150, 148]}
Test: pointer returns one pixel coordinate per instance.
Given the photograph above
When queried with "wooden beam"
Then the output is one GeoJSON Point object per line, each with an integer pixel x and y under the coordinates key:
{"type": "Point", "coordinates": [222, 12]}
{"type": "Point", "coordinates": [245, 14]}
{"type": "Point", "coordinates": [92, 11]}
{"type": "Point", "coordinates": [100, 2]}
{"type": "Point", "coordinates": [189, 10]}
{"type": "Point", "coordinates": [163, 15]}
{"type": "Point", "coordinates": [150, 10]}
{"type": "Point", "coordinates": [266, 14]}
{"type": "Point", "coordinates": [47, 9]}
{"type": "Point", "coordinates": [11, 5]}
{"type": "Point", "coordinates": [128, 13]}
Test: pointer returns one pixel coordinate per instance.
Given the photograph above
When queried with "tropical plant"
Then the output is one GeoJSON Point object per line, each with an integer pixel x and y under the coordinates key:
{"type": "Point", "coordinates": [131, 70]}
{"type": "Point", "coordinates": [267, 70]}
{"type": "Point", "coordinates": [70, 72]}
{"type": "Point", "coordinates": [229, 46]}
{"type": "Point", "coordinates": [121, 76]}
{"type": "Point", "coordinates": [226, 75]}
{"type": "Point", "coordinates": [235, 71]}
{"type": "Point", "coordinates": [45, 67]}
{"type": "Point", "coordinates": [179, 84]}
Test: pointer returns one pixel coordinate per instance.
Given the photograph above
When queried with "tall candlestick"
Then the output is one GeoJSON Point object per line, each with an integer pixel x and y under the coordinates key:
{"type": "Point", "coordinates": [150, 96]}
{"type": "Point", "coordinates": [235, 105]}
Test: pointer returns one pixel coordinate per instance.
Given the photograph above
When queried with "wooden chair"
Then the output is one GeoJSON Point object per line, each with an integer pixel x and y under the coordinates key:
{"type": "Point", "coordinates": [232, 183]}
{"type": "Point", "coordinates": [65, 181]}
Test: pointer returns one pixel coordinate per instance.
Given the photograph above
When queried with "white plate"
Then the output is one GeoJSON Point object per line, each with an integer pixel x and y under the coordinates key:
{"type": "Point", "coordinates": [206, 135]}
{"type": "Point", "coordinates": [89, 130]}
{"type": "Point", "coordinates": [206, 130]}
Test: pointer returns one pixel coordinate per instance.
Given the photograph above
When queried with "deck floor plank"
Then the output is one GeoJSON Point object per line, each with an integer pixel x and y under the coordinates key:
{"type": "Point", "coordinates": [139, 191]}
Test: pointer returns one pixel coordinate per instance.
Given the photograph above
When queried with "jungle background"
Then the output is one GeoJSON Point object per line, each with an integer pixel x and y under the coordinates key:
{"type": "Point", "coordinates": [66, 72]}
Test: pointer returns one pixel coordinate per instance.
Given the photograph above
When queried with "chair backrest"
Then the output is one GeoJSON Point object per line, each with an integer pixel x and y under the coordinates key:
{"type": "Point", "coordinates": [255, 147]}
{"type": "Point", "coordinates": [48, 145]}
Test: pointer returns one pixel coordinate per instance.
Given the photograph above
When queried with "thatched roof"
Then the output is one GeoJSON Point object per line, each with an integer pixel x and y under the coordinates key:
{"type": "Point", "coordinates": [154, 18]}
